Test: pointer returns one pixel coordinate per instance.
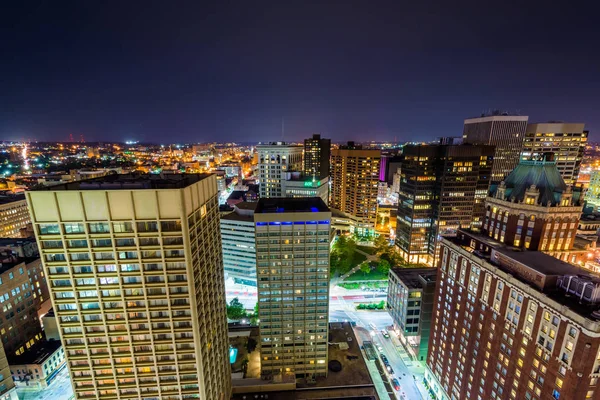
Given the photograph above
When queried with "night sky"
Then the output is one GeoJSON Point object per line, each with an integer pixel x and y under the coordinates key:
{"type": "Point", "coordinates": [174, 71]}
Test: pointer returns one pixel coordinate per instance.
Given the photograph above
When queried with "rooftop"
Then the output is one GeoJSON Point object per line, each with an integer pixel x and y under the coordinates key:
{"type": "Point", "coordinates": [274, 205]}
{"type": "Point", "coordinates": [131, 181]}
{"type": "Point", "coordinates": [11, 198]}
{"type": "Point", "coordinates": [414, 278]}
{"type": "Point", "coordinates": [37, 354]}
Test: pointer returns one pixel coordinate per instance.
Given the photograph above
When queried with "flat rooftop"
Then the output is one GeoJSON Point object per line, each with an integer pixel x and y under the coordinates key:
{"type": "Point", "coordinates": [11, 198]}
{"type": "Point", "coordinates": [131, 181]}
{"type": "Point", "coordinates": [275, 205]}
{"type": "Point", "coordinates": [37, 354]}
{"type": "Point", "coordinates": [413, 278]}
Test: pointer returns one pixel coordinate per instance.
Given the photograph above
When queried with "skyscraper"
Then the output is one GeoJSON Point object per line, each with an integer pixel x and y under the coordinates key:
{"type": "Point", "coordinates": [292, 248]}
{"type": "Point", "coordinates": [512, 324]}
{"type": "Point", "coordinates": [13, 216]}
{"type": "Point", "coordinates": [567, 142]}
{"type": "Point", "coordinates": [505, 132]}
{"type": "Point", "coordinates": [274, 160]}
{"type": "Point", "coordinates": [135, 270]}
{"type": "Point", "coordinates": [239, 242]}
{"type": "Point", "coordinates": [354, 185]}
{"type": "Point", "coordinates": [316, 156]}
{"type": "Point", "coordinates": [442, 188]}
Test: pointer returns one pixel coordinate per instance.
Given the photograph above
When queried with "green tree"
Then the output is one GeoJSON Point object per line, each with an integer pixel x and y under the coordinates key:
{"type": "Point", "coordinates": [381, 244]}
{"type": "Point", "coordinates": [235, 310]}
{"type": "Point", "coordinates": [365, 267]}
{"type": "Point", "coordinates": [383, 266]}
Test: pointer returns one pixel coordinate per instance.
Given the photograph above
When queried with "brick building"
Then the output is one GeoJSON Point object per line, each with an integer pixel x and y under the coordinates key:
{"type": "Point", "coordinates": [512, 324]}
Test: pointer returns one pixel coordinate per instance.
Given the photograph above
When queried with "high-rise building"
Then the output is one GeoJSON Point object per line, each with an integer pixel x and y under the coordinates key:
{"type": "Point", "coordinates": [292, 249]}
{"type": "Point", "coordinates": [442, 188]}
{"type": "Point", "coordinates": [505, 132]}
{"type": "Point", "coordinates": [7, 385]}
{"type": "Point", "coordinates": [512, 324]}
{"type": "Point", "coordinates": [274, 160]}
{"type": "Point", "coordinates": [316, 156]}
{"type": "Point", "coordinates": [135, 270]}
{"type": "Point", "coordinates": [297, 184]}
{"type": "Point", "coordinates": [354, 185]}
{"type": "Point", "coordinates": [14, 216]}
{"type": "Point", "coordinates": [534, 209]}
{"type": "Point", "coordinates": [592, 196]}
{"type": "Point", "coordinates": [566, 140]}
{"type": "Point", "coordinates": [410, 304]}
{"type": "Point", "coordinates": [23, 290]}
{"type": "Point", "coordinates": [237, 237]}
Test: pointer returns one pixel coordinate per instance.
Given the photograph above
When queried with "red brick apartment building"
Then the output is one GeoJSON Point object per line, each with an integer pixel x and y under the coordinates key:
{"type": "Point", "coordinates": [509, 323]}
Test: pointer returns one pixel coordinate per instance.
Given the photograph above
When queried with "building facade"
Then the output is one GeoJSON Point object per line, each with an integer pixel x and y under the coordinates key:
{"type": "Point", "coordinates": [592, 195]}
{"type": "Point", "coordinates": [14, 216]}
{"type": "Point", "coordinates": [23, 290]}
{"type": "Point", "coordinates": [505, 132]}
{"type": "Point", "coordinates": [509, 324]}
{"type": "Point", "coordinates": [274, 160]}
{"type": "Point", "coordinates": [297, 184]}
{"type": "Point", "coordinates": [292, 248]}
{"type": "Point", "coordinates": [534, 209]}
{"type": "Point", "coordinates": [38, 367]}
{"type": "Point", "coordinates": [354, 185]}
{"type": "Point", "coordinates": [317, 152]}
{"type": "Point", "coordinates": [8, 390]}
{"type": "Point", "coordinates": [410, 304]}
{"type": "Point", "coordinates": [567, 142]}
{"type": "Point", "coordinates": [442, 188]}
{"type": "Point", "coordinates": [135, 269]}
{"type": "Point", "coordinates": [239, 244]}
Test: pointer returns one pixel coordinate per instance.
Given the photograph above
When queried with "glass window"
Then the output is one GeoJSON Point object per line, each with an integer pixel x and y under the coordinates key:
{"type": "Point", "coordinates": [170, 226]}
{"type": "Point", "coordinates": [99, 227]}
{"type": "Point", "coordinates": [125, 242]}
{"type": "Point", "coordinates": [121, 227]}
{"type": "Point", "coordinates": [74, 228]}
{"type": "Point", "coordinates": [148, 226]}
{"type": "Point", "coordinates": [48, 229]}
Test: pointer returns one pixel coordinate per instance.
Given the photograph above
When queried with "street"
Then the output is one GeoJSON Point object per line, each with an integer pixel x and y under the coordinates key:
{"type": "Point", "coordinates": [59, 389]}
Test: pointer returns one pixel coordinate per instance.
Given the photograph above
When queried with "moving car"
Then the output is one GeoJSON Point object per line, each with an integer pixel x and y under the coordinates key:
{"type": "Point", "coordinates": [396, 384]}
{"type": "Point", "coordinates": [385, 334]}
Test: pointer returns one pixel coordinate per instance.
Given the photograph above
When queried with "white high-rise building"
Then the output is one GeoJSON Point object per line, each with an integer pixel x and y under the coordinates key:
{"type": "Point", "coordinates": [135, 271]}
{"type": "Point", "coordinates": [274, 160]}
{"type": "Point", "coordinates": [292, 248]}
{"type": "Point", "coordinates": [237, 237]}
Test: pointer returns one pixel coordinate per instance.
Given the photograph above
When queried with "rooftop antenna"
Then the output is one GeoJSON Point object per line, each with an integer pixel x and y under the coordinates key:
{"type": "Point", "coordinates": [282, 127]}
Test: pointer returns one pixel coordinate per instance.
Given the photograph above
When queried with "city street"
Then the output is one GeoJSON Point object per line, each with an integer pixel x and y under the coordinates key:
{"type": "Point", "coordinates": [59, 389]}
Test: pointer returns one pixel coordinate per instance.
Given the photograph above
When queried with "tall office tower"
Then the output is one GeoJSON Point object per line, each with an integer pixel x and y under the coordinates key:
{"type": "Point", "coordinates": [505, 132]}
{"type": "Point", "coordinates": [14, 216]}
{"type": "Point", "coordinates": [292, 248]}
{"type": "Point", "coordinates": [297, 184]}
{"type": "Point", "coordinates": [592, 196]}
{"type": "Point", "coordinates": [7, 385]}
{"type": "Point", "coordinates": [354, 185]}
{"type": "Point", "coordinates": [237, 237]}
{"type": "Point", "coordinates": [442, 188]}
{"type": "Point", "coordinates": [512, 324]}
{"type": "Point", "coordinates": [316, 156]}
{"type": "Point", "coordinates": [566, 141]}
{"type": "Point", "coordinates": [534, 209]}
{"type": "Point", "coordinates": [135, 270]}
{"type": "Point", "coordinates": [23, 291]}
{"type": "Point", "coordinates": [274, 160]}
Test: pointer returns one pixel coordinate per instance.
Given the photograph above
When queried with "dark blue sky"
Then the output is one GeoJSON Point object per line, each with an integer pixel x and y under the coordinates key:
{"type": "Point", "coordinates": [371, 70]}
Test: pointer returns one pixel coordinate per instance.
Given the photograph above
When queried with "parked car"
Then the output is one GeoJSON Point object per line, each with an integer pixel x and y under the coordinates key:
{"type": "Point", "coordinates": [396, 384]}
{"type": "Point", "coordinates": [385, 334]}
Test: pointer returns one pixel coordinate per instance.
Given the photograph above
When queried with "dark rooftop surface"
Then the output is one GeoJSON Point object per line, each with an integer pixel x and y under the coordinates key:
{"type": "Point", "coordinates": [7, 265]}
{"type": "Point", "coordinates": [289, 205]}
{"type": "Point", "coordinates": [11, 198]}
{"type": "Point", "coordinates": [413, 277]}
{"type": "Point", "coordinates": [131, 182]}
{"type": "Point", "coordinates": [11, 241]}
{"type": "Point", "coordinates": [37, 354]}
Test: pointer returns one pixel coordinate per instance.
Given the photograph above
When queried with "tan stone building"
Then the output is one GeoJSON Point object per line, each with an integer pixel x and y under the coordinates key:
{"type": "Point", "coordinates": [14, 216]}
{"type": "Point", "coordinates": [135, 269]}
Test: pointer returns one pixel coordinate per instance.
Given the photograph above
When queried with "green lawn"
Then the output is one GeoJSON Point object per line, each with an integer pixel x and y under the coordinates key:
{"type": "Point", "coordinates": [367, 249]}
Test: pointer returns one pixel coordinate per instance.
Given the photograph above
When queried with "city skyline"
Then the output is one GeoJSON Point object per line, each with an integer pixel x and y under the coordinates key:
{"type": "Point", "coordinates": [349, 71]}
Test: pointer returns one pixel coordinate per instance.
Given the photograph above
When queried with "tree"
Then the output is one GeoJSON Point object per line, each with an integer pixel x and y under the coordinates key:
{"type": "Point", "coordinates": [235, 310]}
{"type": "Point", "coordinates": [254, 317]}
{"type": "Point", "coordinates": [381, 244]}
{"type": "Point", "coordinates": [365, 267]}
{"type": "Point", "coordinates": [383, 266]}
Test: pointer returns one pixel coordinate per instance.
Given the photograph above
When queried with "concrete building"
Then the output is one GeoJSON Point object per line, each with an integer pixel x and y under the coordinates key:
{"type": "Point", "coordinates": [442, 188]}
{"type": "Point", "coordinates": [354, 185]}
{"type": "Point", "coordinates": [7, 385]}
{"type": "Point", "coordinates": [512, 324]}
{"type": "Point", "coordinates": [566, 140]}
{"type": "Point", "coordinates": [534, 209]}
{"type": "Point", "coordinates": [410, 304]}
{"type": "Point", "coordinates": [592, 195]}
{"type": "Point", "coordinates": [20, 247]}
{"type": "Point", "coordinates": [238, 240]}
{"type": "Point", "coordinates": [296, 184]}
{"type": "Point", "coordinates": [317, 152]}
{"type": "Point", "coordinates": [274, 160]}
{"type": "Point", "coordinates": [38, 367]}
{"type": "Point", "coordinates": [505, 132]}
{"type": "Point", "coordinates": [23, 292]}
{"type": "Point", "coordinates": [13, 216]}
{"type": "Point", "coordinates": [135, 268]}
{"type": "Point", "coordinates": [292, 248]}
